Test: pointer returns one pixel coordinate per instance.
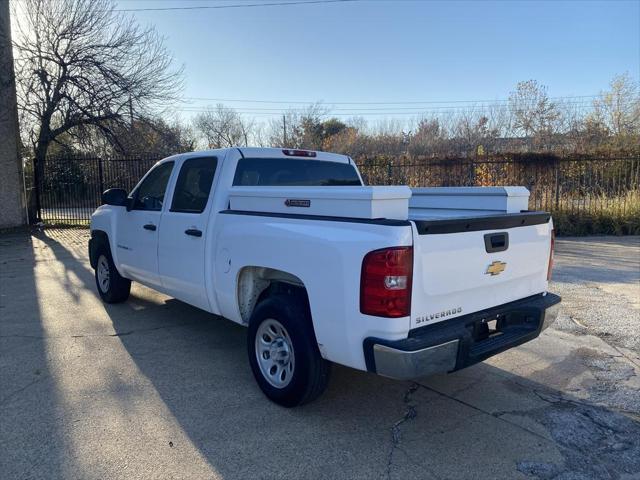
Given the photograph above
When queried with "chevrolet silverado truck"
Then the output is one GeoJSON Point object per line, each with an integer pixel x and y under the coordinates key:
{"type": "Point", "coordinates": [400, 282]}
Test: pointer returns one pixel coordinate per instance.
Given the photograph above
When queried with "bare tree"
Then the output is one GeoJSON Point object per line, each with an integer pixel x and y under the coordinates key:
{"type": "Point", "coordinates": [223, 127]}
{"type": "Point", "coordinates": [534, 114]}
{"type": "Point", "coordinates": [81, 64]}
{"type": "Point", "coordinates": [151, 135]}
{"type": "Point", "coordinates": [259, 135]}
{"type": "Point", "coordinates": [472, 130]}
{"type": "Point", "coordinates": [619, 108]}
{"type": "Point", "coordinates": [428, 138]}
{"type": "Point", "coordinates": [298, 128]}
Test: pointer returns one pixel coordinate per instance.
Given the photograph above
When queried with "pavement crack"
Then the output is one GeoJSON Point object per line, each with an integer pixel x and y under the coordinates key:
{"type": "Point", "coordinates": [560, 399]}
{"type": "Point", "coordinates": [151, 329]}
{"type": "Point", "coordinates": [633, 361]}
{"type": "Point", "coordinates": [396, 433]}
{"type": "Point", "coordinates": [98, 335]}
{"type": "Point", "coordinates": [498, 415]}
{"type": "Point", "coordinates": [38, 337]}
{"type": "Point", "coordinates": [6, 399]}
{"type": "Point", "coordinates": [468, 387]}
{"type": "Point", "coordinates": [546, 397]}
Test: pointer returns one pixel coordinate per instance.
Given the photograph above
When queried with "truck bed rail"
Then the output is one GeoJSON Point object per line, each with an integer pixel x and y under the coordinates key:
{"type": "Point", "coordinates": [474, 224]}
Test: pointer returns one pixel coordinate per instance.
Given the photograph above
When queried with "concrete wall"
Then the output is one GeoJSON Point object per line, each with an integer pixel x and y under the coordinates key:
{"type": "Point", "coordinates": [12, 211]}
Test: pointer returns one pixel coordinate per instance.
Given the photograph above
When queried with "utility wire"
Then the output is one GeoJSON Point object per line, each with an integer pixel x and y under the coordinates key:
{"type": "Point", "coordinates": [578, 103]}
{"type": "Point", "coordinates": [237, 5]}
{"type": "Point", "coordinates": [582, 104]}
{"type": "Point", "coordinates": [408, 102]}
{"type": "Point", "coordinates": [356, 113]}
{"type": "Point", "coordinates": [330, 107]}
{"type": "Point", "coordinates": [347, 114]}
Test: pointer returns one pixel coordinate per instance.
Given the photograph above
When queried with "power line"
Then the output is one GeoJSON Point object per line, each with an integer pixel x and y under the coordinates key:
{"type": "Point", "coordinates": [329, 110]}
{"type": "Point", "coordinates": [237, 5]}
{"type": "Point", "coordinates": [354, 114]}
{"type": "Point", "coordinates": [380, 109]}
{"type": "Point", "coordinates": [407, 102]}
{"type": "Point", "coordinates": [577, 103]}
{"type": "Point", "coordinates": [348, 114]}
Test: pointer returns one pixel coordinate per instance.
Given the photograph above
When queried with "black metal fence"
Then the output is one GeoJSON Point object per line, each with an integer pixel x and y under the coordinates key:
{"type": "Point", "coordinates": [67, 189]}
{"type": "Point", "coordinates": [578, 186]}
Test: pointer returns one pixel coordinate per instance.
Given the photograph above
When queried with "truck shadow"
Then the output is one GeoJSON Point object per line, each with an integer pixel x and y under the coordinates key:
{"type": "Point", "coordinates": [28, 390]}
{"type": "Point", "coordinates": [364, 425]}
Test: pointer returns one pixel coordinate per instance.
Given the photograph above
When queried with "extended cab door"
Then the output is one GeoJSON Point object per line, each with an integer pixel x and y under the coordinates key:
{"type": "Point", "coordinates": [138, 228]}
{"type": "Point", "coordinates": [181, 251]}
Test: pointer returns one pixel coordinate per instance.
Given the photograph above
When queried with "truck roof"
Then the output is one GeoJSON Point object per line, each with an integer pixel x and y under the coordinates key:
{"type": "Point", "coordinates": [267, 152]}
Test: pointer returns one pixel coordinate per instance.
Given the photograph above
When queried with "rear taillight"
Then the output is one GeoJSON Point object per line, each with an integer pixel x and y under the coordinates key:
{"type": "Point", "coordinates": [385, 283]}
{"type": "Point", "coordinates": [552, 247]}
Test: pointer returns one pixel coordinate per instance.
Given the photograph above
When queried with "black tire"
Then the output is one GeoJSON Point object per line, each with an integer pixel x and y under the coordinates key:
{"type": "Point", "coordinates": [311, 372]}
{"type": "Point", "coordinates": [117, 288]}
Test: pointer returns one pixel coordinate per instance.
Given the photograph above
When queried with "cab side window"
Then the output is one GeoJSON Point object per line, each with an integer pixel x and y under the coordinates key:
{"type": "Point", "coordinates": [194, 185]}
{"type": "Point", "coordinates": [150, 194]}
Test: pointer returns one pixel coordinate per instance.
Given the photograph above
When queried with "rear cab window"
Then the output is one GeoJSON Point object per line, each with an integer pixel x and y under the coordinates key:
{"type": "Point", "coordinates": [294, 173]}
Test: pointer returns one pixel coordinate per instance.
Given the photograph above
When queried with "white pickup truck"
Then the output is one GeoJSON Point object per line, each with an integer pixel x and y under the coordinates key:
{"type": "Point", "coordinates": [400, 282]}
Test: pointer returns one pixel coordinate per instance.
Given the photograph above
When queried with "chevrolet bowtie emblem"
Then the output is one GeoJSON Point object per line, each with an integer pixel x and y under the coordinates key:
{"type": "Point", "coordinates": [496, 268]}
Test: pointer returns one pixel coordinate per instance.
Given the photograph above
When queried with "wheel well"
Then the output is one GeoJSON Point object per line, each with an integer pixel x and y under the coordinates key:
{"type": "Point", "coordinates": [98, 238]}
{"type": "Point", "coordinates": [257, 283]}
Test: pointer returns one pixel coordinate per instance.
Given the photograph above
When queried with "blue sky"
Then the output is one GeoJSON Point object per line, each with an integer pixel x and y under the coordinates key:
{"type": "Point", "coordinates": [395, 51]}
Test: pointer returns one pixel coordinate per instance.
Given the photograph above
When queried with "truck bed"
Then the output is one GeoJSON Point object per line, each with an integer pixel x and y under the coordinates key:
{"type": "Point", "coordinates": [473, 247]}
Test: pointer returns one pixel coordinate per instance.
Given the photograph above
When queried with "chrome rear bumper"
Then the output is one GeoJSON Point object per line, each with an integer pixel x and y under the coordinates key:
{"type": "Point", "coordinates": [394, 363]}
{"type": "Point", "coordinates": [460, 342]}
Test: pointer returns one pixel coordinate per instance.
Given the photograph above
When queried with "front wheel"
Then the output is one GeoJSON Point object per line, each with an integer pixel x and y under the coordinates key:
{"type": "Point", "coordinates": [112, 287]}
{"type": "Point", "coordinates": [283, 351]}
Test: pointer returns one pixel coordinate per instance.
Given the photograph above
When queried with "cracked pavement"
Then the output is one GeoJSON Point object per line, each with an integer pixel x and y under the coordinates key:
{"type": "Point", "coordinates": [154, 388]}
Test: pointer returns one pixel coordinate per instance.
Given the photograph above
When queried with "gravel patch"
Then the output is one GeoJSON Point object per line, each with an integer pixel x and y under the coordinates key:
{"type": "Point", "coordinates": [599, 281]}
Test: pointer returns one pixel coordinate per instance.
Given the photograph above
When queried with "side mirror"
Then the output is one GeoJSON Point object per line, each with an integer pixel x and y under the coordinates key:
{"type": "Point", "coordinates": [115, 196]}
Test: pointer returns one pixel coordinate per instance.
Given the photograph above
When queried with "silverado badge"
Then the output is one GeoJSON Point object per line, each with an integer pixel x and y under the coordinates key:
{"type": "Point", "coordinates": [496, 268]}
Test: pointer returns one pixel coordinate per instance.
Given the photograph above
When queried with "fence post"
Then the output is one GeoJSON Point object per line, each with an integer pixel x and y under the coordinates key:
{"type": "Point", "coordinates": [36, 186]}
{"type": "Point", "coordinates": [557, 187]}
{"type": "Point", "coordinates": [100, 176]}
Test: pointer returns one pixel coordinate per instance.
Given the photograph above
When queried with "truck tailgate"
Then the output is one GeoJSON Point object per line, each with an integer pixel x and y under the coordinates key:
{"type": "Point", "coordinates": [464, 265]}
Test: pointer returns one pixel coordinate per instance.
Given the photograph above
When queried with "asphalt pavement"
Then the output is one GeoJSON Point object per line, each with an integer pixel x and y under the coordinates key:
{"type": "Point", "coordinates": [153, 388]}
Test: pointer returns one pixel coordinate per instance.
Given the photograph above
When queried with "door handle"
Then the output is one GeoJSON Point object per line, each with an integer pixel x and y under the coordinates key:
{"type": "Point", "coordinates": [194, 232]}
{"type": "Point", "coordinates": [150, 226]}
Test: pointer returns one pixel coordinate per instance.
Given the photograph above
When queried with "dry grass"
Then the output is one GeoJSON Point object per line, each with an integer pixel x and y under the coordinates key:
{"type": "Point", "coordinates": [615, 216]}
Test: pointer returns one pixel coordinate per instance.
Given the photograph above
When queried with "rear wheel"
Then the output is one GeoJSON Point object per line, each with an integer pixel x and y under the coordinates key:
{"type": "Point", "coordinates": [112, 287]}
{"type": "Point", "coordinates": [274, 353]}
{"type": "Point", "coordinates": [283, 351]}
